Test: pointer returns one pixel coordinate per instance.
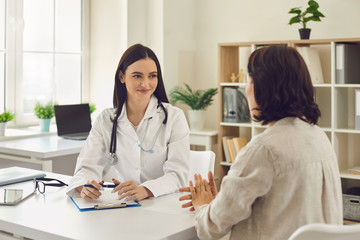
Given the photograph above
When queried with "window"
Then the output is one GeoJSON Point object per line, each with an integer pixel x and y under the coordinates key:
{"type": "Point", "coordinates": [2, 54]}
{"type": "Point", "coordinates": [44, 56]}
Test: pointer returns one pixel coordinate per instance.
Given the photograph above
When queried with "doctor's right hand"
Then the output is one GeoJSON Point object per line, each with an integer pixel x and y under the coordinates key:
{"type": "Point", "coordinates": [89, 193]}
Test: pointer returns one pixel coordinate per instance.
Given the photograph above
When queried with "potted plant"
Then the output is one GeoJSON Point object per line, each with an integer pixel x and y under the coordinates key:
{"type": "Point", "coordinates": [197, 100]}
{"type": "Point", "coordinates": [310, 14]}
{"type": "Point", "coordinates": [92, 107]}
{"type": "Point", "coordinates": [44, 113]}
{"type": "Point", "coordinates": [5, 117]}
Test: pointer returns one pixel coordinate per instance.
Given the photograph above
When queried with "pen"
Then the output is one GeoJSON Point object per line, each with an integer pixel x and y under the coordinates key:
{"type": "Point", "coordinates": [110, 205]}
{"type": "Point", "coordinates": [103, 185]}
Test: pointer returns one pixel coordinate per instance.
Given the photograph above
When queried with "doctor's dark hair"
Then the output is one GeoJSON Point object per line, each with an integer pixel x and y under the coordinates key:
{"type": "Point", "coordinates": [282, 85]}
{"type": "Point", "coordinates": [131, 55]}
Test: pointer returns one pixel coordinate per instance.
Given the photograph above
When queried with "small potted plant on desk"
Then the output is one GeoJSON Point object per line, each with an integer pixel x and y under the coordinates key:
{"type": "Point", "coordinates": [44, 113]}
{"type": "Point", "coordinates": [5, 117]}
{"type": "Point", "coordinates": [197, 100]}
{"type": "Point", "coordinates": [303, 17]}
{"type": "Point", "coordinates": [92, 107]}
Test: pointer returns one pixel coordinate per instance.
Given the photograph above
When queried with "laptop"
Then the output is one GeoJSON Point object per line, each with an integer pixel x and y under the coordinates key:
{"type": "Point", "coordinates": [16, 174]}
{"type": "Point", "coordinates": [73, 121]}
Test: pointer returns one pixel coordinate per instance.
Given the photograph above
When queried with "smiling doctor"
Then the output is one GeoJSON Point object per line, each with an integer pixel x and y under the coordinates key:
{"type": "Point", "coordinates": [144, 137]}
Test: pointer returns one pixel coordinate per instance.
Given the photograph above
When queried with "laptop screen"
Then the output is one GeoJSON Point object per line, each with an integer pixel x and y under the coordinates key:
{"type": "Point", "coordinates": [72, 118]}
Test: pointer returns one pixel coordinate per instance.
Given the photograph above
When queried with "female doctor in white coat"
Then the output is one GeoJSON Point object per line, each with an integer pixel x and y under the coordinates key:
{"type": "Point", "coordinates": [144, 137]}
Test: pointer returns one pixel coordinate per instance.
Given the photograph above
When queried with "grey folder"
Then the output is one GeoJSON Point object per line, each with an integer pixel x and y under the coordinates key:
{"type": "Point", "coordinates": [16, 174]}
{"type": "Point", "coordinates": [235, 106]}
{"type": "Point", "coordinates": [347, 63]}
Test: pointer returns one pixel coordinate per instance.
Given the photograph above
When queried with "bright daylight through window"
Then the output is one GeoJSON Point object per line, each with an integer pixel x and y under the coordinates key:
{"type": "Point", "coordinates": [41, 54]}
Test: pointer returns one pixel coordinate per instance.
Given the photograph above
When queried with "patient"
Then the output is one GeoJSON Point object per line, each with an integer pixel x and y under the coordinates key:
{"type": "Point", "coordinates": [286, 176]}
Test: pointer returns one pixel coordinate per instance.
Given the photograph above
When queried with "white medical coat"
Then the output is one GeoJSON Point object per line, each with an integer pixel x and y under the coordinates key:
{"type": "Point", "coordinates": [162, 172]}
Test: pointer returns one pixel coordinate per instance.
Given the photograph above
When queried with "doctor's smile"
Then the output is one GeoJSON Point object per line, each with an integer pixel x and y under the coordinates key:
{"type": "Point", "coordinates": [144, 91]}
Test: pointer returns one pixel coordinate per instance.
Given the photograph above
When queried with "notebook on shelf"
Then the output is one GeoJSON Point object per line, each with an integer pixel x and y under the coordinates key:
{"type": "Point", "coordinates": [73, 121]}
{"type": "Point", "coordinates": [17, 174]}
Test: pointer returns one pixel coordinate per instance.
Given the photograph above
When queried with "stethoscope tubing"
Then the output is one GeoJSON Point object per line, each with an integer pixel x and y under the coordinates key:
{"type": "Point", "coordinates": [112, 156]}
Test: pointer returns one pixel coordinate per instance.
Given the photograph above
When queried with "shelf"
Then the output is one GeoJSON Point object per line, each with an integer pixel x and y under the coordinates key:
{"type": "Point", "coordinates": [231, 84]}
{"type": "Point", "coordinates": [347, 175]}
{"type": "Point", "coordinates": [347, 85]}
{"type": "Point", "coordinates": [336, 101]}
{"type": "Point", "coordinates": [236, 124]}
{"type": "Point", "coordinates": [223, 163]}
{"type": "Point", "coordinates": [345, 130]}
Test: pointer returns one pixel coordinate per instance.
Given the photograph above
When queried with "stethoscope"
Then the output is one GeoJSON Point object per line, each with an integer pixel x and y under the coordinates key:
{"type": "Point", "coordinates": [112, 159]}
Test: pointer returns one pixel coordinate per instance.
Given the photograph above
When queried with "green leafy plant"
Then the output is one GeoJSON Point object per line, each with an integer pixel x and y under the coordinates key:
{"type": "Point", "coordinates": [196, 100]}
{"type": "Point", "coordinates": [310, 14]}
{"type": "Point", "coordinates": [92, 108]}
{"type": "Point", "coordinates": [6, 116]}
{"type": "Point", "coordinates": [44, 111]}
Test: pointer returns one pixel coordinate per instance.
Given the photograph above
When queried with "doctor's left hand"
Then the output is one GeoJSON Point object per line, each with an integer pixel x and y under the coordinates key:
{"type": "Point", "coordinates": [131, 190]}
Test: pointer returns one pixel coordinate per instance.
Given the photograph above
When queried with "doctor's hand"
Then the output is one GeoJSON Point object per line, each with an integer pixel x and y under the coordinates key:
{"type": "Point", "coordinates": [89, 193]}
{"type": "Point", "coordinates": [132, 191]}
{"type": "Point", "coordinates": [210, 185]}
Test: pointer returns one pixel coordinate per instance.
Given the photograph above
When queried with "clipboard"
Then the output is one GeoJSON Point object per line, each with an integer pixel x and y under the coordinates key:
{"type": "Point", "coordinates": [107, 200]}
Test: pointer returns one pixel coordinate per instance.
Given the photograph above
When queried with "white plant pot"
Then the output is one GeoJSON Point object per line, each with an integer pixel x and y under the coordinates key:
{"type": "Point", "coordinates": [196, 119]}
{"type": "Point", "coordinates": [2, 128]}
{"type": "Point", "coordinates": [45, 124]}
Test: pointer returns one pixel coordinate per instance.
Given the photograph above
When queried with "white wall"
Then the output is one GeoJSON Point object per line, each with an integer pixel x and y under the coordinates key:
{"type": "Point", "coordinates": [114, 26]}
{"type": "Point", "coordinates": [179, 43]}
{"type": "Point", "coordinates": [184, 35]}
{"type": "Point", "coordinates": [108, 40]}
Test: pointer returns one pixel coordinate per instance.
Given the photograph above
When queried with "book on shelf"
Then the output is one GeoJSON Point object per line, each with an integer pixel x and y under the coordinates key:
{"type": "Point", "coordinates": [226, 149]}
{"type": "Point", "coordinates": [239, 143]}
{"type": "Point", "coordinates": [232, 146]}
{"type": "Point", "coordinates": [354, 170]}
{"type": "Point", "coordinates": [232, 153]}
{"type": "Point", "coordinates": [233, 150]}
{"type": "Point", "coordinates": [312, 60]}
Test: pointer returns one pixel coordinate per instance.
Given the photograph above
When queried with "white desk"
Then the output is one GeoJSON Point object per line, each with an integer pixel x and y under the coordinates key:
{"type": "Point", "coordinates": [54, 216]}
{"type": "Point", "coordinates": [204, 137]}
{"type": "Point", "coordinates": [39, 149]}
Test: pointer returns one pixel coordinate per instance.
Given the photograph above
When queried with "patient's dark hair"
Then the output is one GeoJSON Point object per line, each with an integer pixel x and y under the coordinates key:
{"type": "Point", "coordinates": [282, 85]}
{"type": "Point", "coordinates": [131, 55]}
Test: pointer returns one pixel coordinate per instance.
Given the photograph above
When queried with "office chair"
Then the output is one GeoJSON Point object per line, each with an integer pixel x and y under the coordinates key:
{"type": "Point", "coordinates": [201, 162]}
{"type": "Point", "coordinates": [322, 231]}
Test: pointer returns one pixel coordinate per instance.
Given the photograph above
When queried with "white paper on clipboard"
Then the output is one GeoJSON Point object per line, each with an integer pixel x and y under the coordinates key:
{"type": "Point", "coordinates": [107, 198]}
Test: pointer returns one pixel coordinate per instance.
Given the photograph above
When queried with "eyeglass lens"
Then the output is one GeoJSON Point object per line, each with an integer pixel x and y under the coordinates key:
{"type": "Point", "coordinates": [40, 186]}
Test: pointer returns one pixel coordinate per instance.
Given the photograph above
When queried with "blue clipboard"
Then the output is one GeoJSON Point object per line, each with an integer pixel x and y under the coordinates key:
{"type": "Point", "coordinates": [108, 201]}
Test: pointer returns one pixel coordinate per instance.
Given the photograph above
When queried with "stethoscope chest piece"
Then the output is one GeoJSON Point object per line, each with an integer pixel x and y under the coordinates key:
{"type": "Point", "coordinates": [112, 159]}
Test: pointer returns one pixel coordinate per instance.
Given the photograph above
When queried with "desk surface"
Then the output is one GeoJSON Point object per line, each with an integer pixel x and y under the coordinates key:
{"type": "Point", "coordinates": [41, 146]}
{"type": "Point", "coordinates": [54, 216]}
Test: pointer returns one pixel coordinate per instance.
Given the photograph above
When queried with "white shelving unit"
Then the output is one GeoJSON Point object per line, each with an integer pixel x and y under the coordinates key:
{"type": "Point", "coordinates": [336, 101]}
